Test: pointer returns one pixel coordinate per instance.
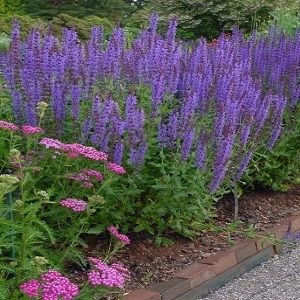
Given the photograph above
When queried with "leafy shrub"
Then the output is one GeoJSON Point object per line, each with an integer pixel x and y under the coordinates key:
{"type": "Point", "coordinates": [26, 22]}
{"type": "Point", "coordinates": [4, 42]}
{"type": "Point", "coordinates": [9, 7]}
{"type": "Point", "coordinates": [111, 9]}
{"type": "Point", "coordinates": [82, 26]}
{"type": "Point", "coordinates": [279, 168]}
{"type": "Point", "coordinates": [286, 16]}
{"type": "Point", "coordinates": [198, 18]}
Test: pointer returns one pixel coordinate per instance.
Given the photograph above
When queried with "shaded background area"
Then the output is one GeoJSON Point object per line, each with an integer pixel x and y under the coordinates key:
{"type": "Point", "coordinates": [195, 17]}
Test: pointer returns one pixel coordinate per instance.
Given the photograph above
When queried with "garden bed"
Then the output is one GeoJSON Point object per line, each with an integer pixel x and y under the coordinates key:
{"type": "Point", "coordinates": [151, 264]}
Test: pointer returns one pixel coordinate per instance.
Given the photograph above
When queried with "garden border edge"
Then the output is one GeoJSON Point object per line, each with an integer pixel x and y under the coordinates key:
{"type": "Point", "coordinates": [201, 278]}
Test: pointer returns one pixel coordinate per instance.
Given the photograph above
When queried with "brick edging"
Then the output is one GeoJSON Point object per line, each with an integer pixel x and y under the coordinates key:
{"type": "Point", "coordinates": [211, 273]}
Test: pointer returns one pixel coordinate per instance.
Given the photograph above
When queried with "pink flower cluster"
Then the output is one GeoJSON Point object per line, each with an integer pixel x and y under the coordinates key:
{"type": "Point", "coordinates": [76, 205]}
{"type": "Point", "coordinates": [124, 239]}
{"type": "Point", "coordinates": [28, 130]}
{"type": "Point", "coordinates": [114, 275]}
{"type": "Point", "coordinates": [85, 180]}
{"type": "Point", "coordinates": [51, 143]}
{"type": "Point", "coordinates": [8, 126]}
{"type": "Point", "coordinates": [31, 288]}
{"type": "Point", "coordinates": [51, 286]}
{"type": "Point", "coordinates": [115, 168]}
{"type": "Point", "coordinates": [84, 176]}
{"type": "Point", "coordinates": [93, 173]}
{"type": "Point", "coordinates": [75, 150]}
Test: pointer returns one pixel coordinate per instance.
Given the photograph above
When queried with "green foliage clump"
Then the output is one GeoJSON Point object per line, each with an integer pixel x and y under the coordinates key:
{"type": "Point", "coordinates": [112, 9]}
{"type": "Point", "coordinates": [279, 168]}
{"type": "Point", "coordinates": [82, 26]}
{"type": "Point", "coordinates": [26, 23]}
{"type": "Point", "coordinates": [198, 18]}
{"type": "Point", "coordinates": [9, 7]}
{"type": "Point", "coordinates": [4, 42]}
{"type": "Point", "coordinates": [285, 17]}
{"type": "Point", "coordinates": [207, 18]}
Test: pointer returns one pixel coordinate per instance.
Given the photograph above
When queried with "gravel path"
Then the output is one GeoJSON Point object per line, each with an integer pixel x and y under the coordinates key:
{"type": "Point", "coordinates": [276, 279]}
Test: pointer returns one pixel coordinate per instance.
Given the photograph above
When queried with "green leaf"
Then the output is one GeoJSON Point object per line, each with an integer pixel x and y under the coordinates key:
{"type": "Point", "coordinates": [163, 241]}
{"type": "Point", "coordinates": [144, 226]}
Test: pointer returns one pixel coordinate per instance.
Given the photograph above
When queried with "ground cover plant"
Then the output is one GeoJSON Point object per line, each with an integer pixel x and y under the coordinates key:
{"type": "Point", "coordinates": [183, 119]}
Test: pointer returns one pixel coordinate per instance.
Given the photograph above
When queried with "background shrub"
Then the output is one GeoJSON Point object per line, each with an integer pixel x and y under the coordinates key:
{"type": "Point", "coordinates": [115, 10]}
{"type": "Point", "coordinates": [4, 42]}
{"type": "Point", "coordinates": [286, 16]}
{"type": "Point", "coordinates": [210, 18]}
{"type": "Point", "coordinates": [26, 22]}
{"type": "Point", "coordinates": [82, 26]}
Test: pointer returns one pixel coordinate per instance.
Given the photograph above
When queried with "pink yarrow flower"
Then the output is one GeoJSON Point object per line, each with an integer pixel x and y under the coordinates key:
{"type": "Point", "coordinates": [77, 205]}
{"type": "Point", "coordinates": [8, 126]}
{"type": "Point", "coordinates": [52, 143]}
{"type": "Point", "coordinates": [87, 184]}
{"type": "Point", "coordinates": [51, 285]}
{"type": "Point", "coordinates": [75, 150]}
{"type": "Point", "coordinates": [73, 154]}
{"type": "Point", "coordinates": [30, 288]}
{"type": "Point", "coordinates": [28, 130]}
{"type": "Point", "coordinates": [78, 177]}
{"type": "Point", "coordinates": [50, 276]}
{"type": "Point", "coordinates": [111, 276]}
{"type": "Point", "coordinates": [88, 152]}
{"type": "Point", "coordinates": [93, 173]}
{"type": "Point", "coordinates": [82, 178]}
{"type": "Point", "coordinates": [124, 239]}
{"type": "Point", "coordinates": [115, 168]}
{"type": "Point", "coordinates": [60, 288]}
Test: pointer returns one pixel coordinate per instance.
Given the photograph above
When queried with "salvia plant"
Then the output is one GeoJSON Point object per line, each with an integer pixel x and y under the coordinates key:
{"type": "Point", "coordinates": [184, 118]}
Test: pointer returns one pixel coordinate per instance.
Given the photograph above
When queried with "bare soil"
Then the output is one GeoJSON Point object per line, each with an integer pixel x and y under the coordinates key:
{"type": "Point", "coordinates": [150, 264]}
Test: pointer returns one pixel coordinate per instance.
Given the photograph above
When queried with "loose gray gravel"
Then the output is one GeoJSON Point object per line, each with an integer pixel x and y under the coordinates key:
{"type": "Point", "coordinates": [276, 279]}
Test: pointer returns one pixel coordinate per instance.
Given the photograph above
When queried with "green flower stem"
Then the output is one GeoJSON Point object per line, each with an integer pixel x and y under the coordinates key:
{"type": "Point", "coordinates": [236, 203]}
{"type": "Point", "coordinates": [113, 252]}
{"type": "Point", "coordinates": [9, 202]}
{"type": "Point", "coordinates": [74, 240]}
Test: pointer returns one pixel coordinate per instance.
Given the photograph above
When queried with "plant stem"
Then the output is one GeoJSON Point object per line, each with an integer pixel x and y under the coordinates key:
{"type": "Point", "coordinates": [236, 204]}
{"type": "Point", "coordinates": [74, 240]}
{"type": "Point", "coordinates": [9, 202]}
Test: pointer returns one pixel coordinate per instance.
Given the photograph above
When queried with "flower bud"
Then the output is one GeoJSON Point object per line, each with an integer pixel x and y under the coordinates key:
{"type": "Point", "coordinates": [43, 194]}
{"type": "Point", "coordinates": [18, 203]}
{"type": "Point", "coordinates": [95, 199]}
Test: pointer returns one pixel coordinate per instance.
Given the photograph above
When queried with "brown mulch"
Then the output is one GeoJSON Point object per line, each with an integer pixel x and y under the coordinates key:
{"type": "Point", "coordinates": [150, 264]}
